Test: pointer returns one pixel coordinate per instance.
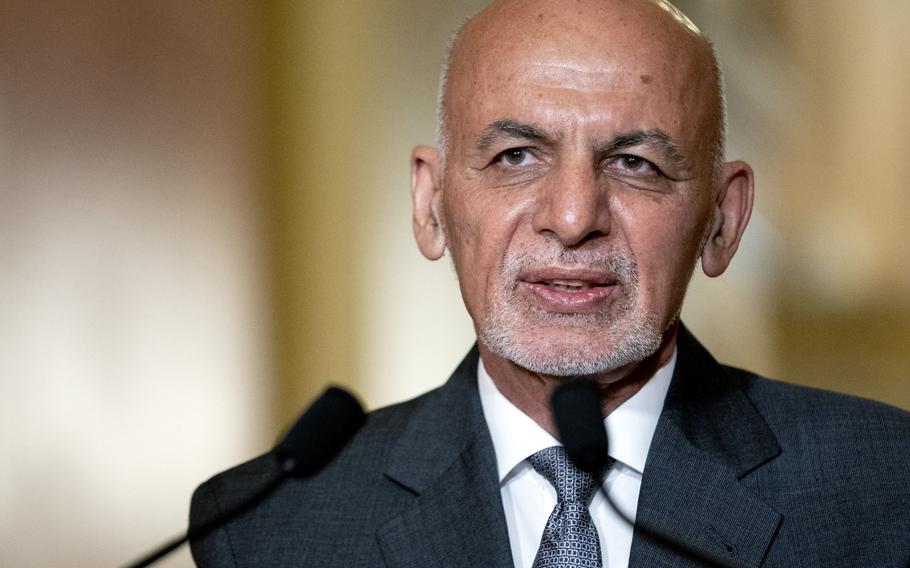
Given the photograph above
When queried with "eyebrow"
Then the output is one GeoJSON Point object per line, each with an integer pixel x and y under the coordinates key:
{"type": "Point", "coordinates": [513, 129]}
{"type": "Point", "coordinates": [509, 129]}
{"type": "Point", "coordinates": [654, 137]}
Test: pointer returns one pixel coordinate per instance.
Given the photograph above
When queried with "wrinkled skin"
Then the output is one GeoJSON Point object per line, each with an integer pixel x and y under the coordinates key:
{"type": "Point", "coordinates": [578, 190]}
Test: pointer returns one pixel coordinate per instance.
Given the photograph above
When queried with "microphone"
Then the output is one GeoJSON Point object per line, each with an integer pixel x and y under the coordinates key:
{"type": "Point", "coordinates": [320, 433]}
{"type": "Point", "coordinates": [579, 418]}
{"type": "Point", "coordinates": [310, 444]}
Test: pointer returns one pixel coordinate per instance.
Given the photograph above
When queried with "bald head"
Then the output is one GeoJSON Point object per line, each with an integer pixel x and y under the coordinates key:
{"type": "Point", "coordinates": [581, 35]}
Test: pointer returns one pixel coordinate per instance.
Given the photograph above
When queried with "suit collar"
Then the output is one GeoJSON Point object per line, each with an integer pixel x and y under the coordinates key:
{"type": "Point", "coordinates": [441, 429]}
{"type": "Point", "coordinates": [445, 457]}
{"type": "Point", "coordinates": [711, 408]}
{"type": "Point", "coordinates": [709, 437]}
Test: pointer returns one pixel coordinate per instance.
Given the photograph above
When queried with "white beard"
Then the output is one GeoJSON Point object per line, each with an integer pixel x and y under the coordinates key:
{"type": "Point", "coordinates": [589, 344]}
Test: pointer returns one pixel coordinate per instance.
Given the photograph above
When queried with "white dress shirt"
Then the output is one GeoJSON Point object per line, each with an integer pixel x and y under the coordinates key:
{"type": "Point", "coordinates": [528, 498]}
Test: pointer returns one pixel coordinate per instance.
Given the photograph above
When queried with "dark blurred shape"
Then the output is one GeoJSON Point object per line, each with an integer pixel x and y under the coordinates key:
{"type": "Point", "coordinates": [320, 433]}
{"type": "Point", "coordinates": [579, 419]}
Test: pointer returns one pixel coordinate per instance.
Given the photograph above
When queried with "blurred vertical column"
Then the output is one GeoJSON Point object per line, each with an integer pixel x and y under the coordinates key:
{"type": "Point", "coordinates": [134, 329]}
{"type": "Point", "coordinates": [317, 155]}
{"type": "Point", "coordinates": [352, 90]}
{"type": "Point", "coordinates": [845, 207]}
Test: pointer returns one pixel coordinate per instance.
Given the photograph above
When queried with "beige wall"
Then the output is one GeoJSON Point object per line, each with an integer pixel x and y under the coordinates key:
{"type": "Point", "coordinates": [845, 301]}
{"type": "Point", "coordinates": [134, 329]}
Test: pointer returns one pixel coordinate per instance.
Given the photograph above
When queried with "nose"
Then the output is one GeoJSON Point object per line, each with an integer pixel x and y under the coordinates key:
{"type": "Point", "coordinates": [573, 206]}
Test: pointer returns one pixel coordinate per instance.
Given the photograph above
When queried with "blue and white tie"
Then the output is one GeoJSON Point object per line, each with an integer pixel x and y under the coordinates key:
{"type": "Point", "coordinates": [570, 537]}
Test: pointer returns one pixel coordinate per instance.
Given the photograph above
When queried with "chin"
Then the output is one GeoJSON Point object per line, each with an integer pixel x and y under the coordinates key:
{"type": "Point", "coordinates": [574, 351]}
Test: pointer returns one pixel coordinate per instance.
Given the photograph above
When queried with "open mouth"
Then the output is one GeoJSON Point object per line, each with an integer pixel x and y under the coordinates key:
{"type": "Point", "coordinates": [569, 285]}
{"type": "Point", "coordinates": [568, 289]}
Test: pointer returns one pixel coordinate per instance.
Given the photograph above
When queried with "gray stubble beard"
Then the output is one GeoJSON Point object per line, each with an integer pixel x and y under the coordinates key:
{"type": "Point", "coordinates": [631, 334]}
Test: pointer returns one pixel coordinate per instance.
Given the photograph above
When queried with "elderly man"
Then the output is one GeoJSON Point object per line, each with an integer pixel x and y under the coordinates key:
{"type": "Point", "coordinates": [578, 181]}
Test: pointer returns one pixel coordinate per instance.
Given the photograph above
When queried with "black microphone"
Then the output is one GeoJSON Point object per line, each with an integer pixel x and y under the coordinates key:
{"type": "Point", "coordinates": [310, 444]}
{"type": "Point", "coordinates": [320, 433]}
{"type": "Point", "coordinates": [579, 419]}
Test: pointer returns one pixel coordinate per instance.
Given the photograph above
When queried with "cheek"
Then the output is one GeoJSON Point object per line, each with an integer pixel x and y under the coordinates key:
{"type": "Point", "coordinates": [480, 227]}
{"type": "Point", "coordinates": [664, 237]}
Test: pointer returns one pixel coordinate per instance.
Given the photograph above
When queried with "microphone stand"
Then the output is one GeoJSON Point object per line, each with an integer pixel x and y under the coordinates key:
{"type": "Point", "coordinates": [311, 443]}
{"type": "Point", "coordinates": [208, 526]}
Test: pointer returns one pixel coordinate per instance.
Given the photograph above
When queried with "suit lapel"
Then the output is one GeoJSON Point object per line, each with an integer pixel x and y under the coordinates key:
{"type": "Point", "coordinates": [445, 457]}
{"type": "Point", "coordinates": [708, 438]}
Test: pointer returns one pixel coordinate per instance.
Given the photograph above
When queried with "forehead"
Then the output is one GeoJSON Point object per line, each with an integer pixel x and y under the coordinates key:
{"type": "Point", "coordinates": [617, 72]}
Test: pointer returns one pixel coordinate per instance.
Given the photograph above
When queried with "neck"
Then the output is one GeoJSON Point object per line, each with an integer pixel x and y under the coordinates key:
{"type": "Point", "coordinates": [531, 392]}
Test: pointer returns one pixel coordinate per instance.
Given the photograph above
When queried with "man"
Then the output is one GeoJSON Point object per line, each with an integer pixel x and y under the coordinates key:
{"type": "Point", "coordinates": [578, 180]}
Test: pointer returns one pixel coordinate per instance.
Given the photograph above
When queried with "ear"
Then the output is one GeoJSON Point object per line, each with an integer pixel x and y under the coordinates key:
{"type": "Point", "coordinates": [427, 197]}
{"type": "Point", "coordinates": [733, 207]}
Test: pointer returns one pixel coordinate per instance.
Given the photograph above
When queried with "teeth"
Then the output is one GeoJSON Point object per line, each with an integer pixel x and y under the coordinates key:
{"type": "Point", "coordinates": [569, 285]}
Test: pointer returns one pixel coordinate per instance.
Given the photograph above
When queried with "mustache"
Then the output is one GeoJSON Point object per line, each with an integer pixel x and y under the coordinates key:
{"type": "Point", "coordinates": [620, 263]}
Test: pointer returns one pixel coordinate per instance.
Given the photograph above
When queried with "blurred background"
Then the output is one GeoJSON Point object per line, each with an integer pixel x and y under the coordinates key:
{"type": "Point", "coordinates": [205, 218]}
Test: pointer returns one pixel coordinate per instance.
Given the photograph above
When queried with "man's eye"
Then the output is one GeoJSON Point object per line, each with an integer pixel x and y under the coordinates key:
{"type": "Point", "coordinates": [516, 157]}
{"type": "Point", "coordinates": [634, 164]}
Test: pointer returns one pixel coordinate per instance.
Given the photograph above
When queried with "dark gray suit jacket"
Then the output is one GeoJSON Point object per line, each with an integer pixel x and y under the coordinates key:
{"type": "Point", "coordinates": [742, 471]}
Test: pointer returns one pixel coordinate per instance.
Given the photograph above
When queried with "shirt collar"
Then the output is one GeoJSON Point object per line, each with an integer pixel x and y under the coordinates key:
{"type": "Point", "coordinates": [630, 427]}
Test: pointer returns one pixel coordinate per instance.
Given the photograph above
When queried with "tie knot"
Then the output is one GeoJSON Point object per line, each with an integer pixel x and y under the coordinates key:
{"type": "Point", "coordinates": [572, 484]}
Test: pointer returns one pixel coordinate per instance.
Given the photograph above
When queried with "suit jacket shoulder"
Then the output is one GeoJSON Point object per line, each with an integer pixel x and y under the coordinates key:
{"type": "Point", "coordinates": [842, 478]}
{"type": "Point", "coordinates": [415, 487]}
{"type": "Point", "coordinates": [746, 471]}
{"type": "Point", "coordinates": [306, 517]}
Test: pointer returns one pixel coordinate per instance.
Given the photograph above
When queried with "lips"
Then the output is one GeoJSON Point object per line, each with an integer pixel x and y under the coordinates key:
{"type": "Point", "coordinates": [581, 278]}
{"type": "Point", "coordinates": [567, 290]}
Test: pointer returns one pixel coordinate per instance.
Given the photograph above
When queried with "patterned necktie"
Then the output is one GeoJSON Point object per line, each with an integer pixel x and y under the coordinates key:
{"type": "Point", "coordinates": [570, 537]}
